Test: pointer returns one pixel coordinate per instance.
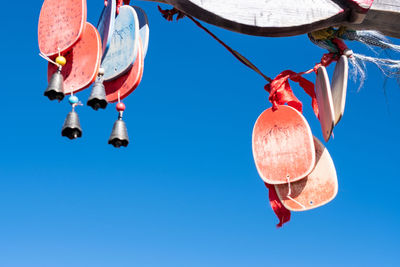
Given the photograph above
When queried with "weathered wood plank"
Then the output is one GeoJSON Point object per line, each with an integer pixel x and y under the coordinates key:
{"type": "Point", "coordinates": [276, 18]}
{"type": "Point", "coordinates": [383, 16]}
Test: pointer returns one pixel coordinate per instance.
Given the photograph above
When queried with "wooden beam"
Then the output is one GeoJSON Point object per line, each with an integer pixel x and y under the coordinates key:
{"type": "Point", "coordinates": [277, 18]}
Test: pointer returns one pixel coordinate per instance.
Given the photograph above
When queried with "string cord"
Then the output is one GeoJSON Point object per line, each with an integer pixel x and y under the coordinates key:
{"type": "Point", "coordinates": [290, 192]}
{"type": "Point", "coordinates": [235, 53]}
{"type": "Point", "coordinates": [168, 15]}
{"type": "Point", "coordinates": [49, 60]}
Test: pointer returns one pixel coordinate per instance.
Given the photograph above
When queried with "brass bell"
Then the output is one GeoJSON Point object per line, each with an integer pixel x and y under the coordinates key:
{"type": "Point", "coordinates": [72, 127]}
{"type": "Point", "coordinates": [119, 135]}
{"type": "Point", "coordinates": [55, 89]}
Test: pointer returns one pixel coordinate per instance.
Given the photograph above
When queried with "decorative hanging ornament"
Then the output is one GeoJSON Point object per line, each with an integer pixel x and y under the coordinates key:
{"type": "Point", "coordinates": [123, 48]}
{"type": "Point", "coordinates": [97, 97]}
{"type": "Point", "coordinates": [316, 189]}
{"type": "Point", "coordinates": [72, 127]}
{"type": "Point", "coordinates": [339, 87]}
{"type": "Point", "coordinates": [82, 62]}
{"type": "Point", "coordinates": [325, 103]}
{"type": "Point", "coordinates": [105, 26]}
{"type": "Point", "coordinates": [125, 82]}
{"type": "Point", "coordinates": [144, 29]}
{"type": "Point", "coordinates": [55, 89]}
{"type": "Point", "coordinates": [61, 24]}
{"type": "Point", "coordinates": [123, 86]}
{"type": "Point", "coordinates": [106, 23]}
{"type": "Point", "coordinates": [283, 147]}
{"type": "Point", "coordinates": [119, 135]}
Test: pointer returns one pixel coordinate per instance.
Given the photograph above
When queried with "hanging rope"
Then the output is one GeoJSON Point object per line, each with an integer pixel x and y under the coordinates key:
{"type": "Point", "coordinates": [279, 88]}
{"type": "Point", "coordinates": [168, 14]}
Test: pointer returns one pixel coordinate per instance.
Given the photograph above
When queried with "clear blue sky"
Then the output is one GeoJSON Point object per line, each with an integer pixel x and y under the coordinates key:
{"type": "Point", "coordinates": [185, 193]}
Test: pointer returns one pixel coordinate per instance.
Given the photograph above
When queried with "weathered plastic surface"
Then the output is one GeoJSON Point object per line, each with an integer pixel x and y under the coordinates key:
{"type": "Point", "coordinates": [61, 24]}
{"type": "Point", "coordinates": [123, 48]}
{"type": "Point", "coordinates": [83, 62]}
{"type": "Point", "coordinates": [283, 147]}
{"type": "Point", "coordinates": [339, 87]}
{"type": "Point", "coordinates": [106, 24]}
{"type": "Point", "coordinates": [325, 103]}
{"type": "Point", "coordinates": [144, 30]}
{"type": "Point", "coordinates": [316, 189]}
{"type": "Point", "coordinates": [127, 83]}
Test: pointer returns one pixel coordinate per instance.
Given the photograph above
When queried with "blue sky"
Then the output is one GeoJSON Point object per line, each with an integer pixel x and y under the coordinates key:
{"type": "Point", "coordinates": [185, 193]}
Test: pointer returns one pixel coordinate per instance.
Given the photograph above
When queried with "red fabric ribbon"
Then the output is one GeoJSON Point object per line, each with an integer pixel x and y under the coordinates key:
{"type": "Point", "coordinates": [280, 211]}
{"type": "Point", "coordinates": [281, 93]}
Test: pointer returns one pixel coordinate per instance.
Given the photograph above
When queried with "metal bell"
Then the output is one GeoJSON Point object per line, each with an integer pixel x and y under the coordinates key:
{"type": "Point", "coordinates": [55, 89]}
{"type": "Point", "coordinates": [72, 128]}
{"type": "Point", "coordinates": [97, 98]}
{"type": "Point", "coordinates": [119, 135]}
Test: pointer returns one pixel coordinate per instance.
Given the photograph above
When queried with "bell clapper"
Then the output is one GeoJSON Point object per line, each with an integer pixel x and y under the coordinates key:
{"type": "Point", "coordinates": [97, 97]}
{"type": "Point", "coordinates": [119, 135]}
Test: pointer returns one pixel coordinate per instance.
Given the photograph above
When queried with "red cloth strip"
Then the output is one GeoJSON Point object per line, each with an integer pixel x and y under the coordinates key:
{"type": "Point", "coordinates": [280, 211]}
{"type": "Point", "coordinates": [281, 93]}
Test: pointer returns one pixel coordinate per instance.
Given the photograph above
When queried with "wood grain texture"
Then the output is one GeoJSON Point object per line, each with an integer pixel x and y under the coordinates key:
{"type": "Point", "coordinates": [325, 102]}
{"type": "Point", "coordinates": [83, 62]}
{"type": "Point", "coordinates": [339, 87]}
{"type": "Point", "coordinates": [283, 147]}
{"type": "Point", "coordinates": [276, 18]}
{"type": "Point", "coordinates": [383, 16]}
{"type": "Point", "coordinates": [60, 26]}
{"type": "Point", "coordinates": [122, 52]}
{"type": "Point", "coordinates": [127, 83]}
{"type": "Point", "coordinates": [315, 190]}
{"type": "Point", "coordinates": [144, 29]}
{"type": "Point", "coordinates": [106, 23]}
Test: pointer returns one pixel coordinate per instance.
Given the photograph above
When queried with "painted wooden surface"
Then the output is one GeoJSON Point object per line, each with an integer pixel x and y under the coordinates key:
{"type": "Point", "coordinates": [127, 83]}
{"type": "Point", "coordinates": [106, 23]}
{"type": "Point", "coordinates": [315, 190]}
{"type": "Point", "coordinates": [339, 87]}
{"type": "Point", "coordinates": [61, 24]}
{"type": "Point", "coordinates": [283, 146]}
{"type": "Point", "coordinates": [144, 29]}
{"type": "Point", "coordinates": [325, 102]}
{"type": "Point", "coordinates": [123, 47]}
{"type": "Point", "coordinates": [83, 62]}
{"type": "Point", "coordinates": [277, 18]}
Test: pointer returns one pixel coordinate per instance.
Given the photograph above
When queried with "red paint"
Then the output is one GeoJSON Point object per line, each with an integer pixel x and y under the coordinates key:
{"type": "Point", "coordinates": [128, 82]}
{"type": "Point", "coordinates": [83, 62]}
{"type": "Point", "coordinates": [316, 189]}
{"type": "Point", "coordinates": [283, 145]}
{"type": "Point", "coordinates": [61, 24]}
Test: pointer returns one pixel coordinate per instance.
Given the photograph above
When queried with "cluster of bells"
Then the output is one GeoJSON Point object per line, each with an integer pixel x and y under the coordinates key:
{"type": "Point", "coordinates": [72, 127]}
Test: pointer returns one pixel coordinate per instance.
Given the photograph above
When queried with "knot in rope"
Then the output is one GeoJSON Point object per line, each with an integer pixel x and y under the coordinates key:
{"type": "Point", "coordinates": [169, 14]}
